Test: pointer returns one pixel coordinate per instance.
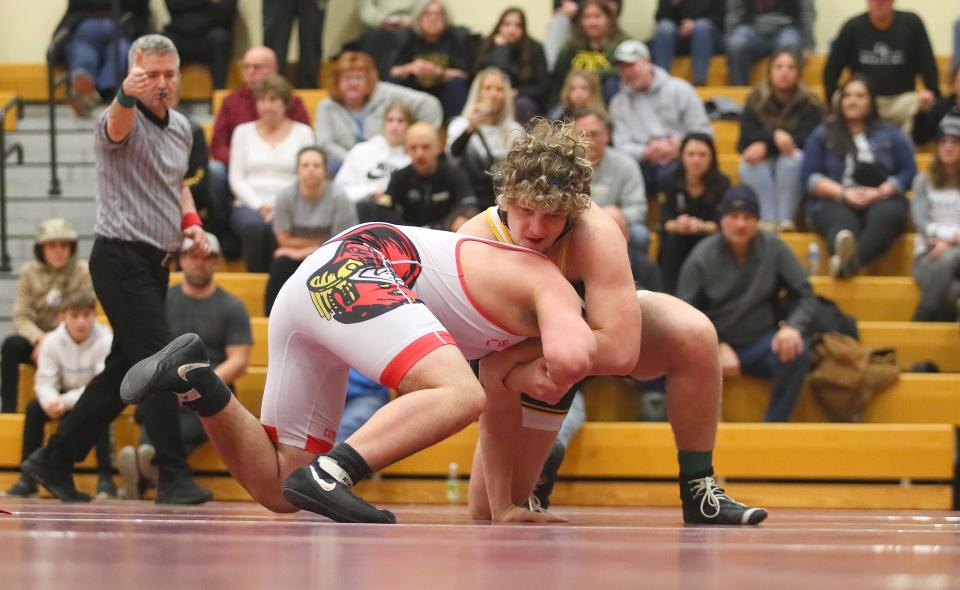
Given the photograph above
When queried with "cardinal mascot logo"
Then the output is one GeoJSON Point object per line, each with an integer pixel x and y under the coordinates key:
{"type": "Point", "coordinates": [373, 271]}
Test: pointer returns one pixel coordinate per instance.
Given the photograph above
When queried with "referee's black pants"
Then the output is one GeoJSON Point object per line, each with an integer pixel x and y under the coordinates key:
{"type": "Point", "coordinates": [131, 283]}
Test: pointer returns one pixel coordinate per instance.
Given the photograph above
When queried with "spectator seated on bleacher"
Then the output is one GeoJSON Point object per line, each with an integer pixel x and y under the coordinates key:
{"type": "Point", "coordinates": [357, 103]}
{"type": "Point", "coordinates": [617, 188]}
{"type": "Point", "coordinates": [652, 113]}
{"type": "Point", "coordinates": [436, 58]}
{"type": "Point", "coordinates": [481, 136]}
{"type": "Point", "coordinates": [581, 90]}
{"type": "Point", "coordinates": [596, 35]}
{"type": "Point", "coordinates": [779, 115]}
{"type": "Point", "coordinates": [307, 214]}
{"type": "Point", "coordinates": [365, 172]}
{"type": "Point", "coordinates": [757, 29]}
{"type": "Point", "coordinates": [427, 191]}
{"type": "Point", "coordinates": [560, 27]}
{"type": "Point", "coordinates": [69, 358]}
{"type": "Point", "coordinates": [926, 124]}
{"type": "Point", "coordinates": [200, 306]}
{"type": "Point", "coordinates": [736, 278]}
{"type": "Point", "coordinates": [856, 169]}
{"type": "Point", "coordinates": [97, 46]}
{"type": "Point", "coordinates": [511, 49]}
{"type": "Point", "coordinates": [263, 155]}
{"type": "Point", "coordinates": [935, 204]}
{"type": "Point", "coordinates": [688, 27]}
{"type": "Point", "coordinates": [238, 107]}
{"type": "Point", "coordinates": [41, 289]}
{"type": "Point", "coordinates": [388, 23]}
{"type": "Point", "coordinates": [689, 212]}
{"type": "Point", "coordinates": [890, 48]}
{"type": "Point", "coordinates": [203, 33]}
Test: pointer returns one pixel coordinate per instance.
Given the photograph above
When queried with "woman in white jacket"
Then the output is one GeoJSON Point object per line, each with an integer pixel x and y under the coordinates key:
{"type": "Point", "coordinates": [366, 170]}
{"type": "Point", "coordinates": [481, 136]}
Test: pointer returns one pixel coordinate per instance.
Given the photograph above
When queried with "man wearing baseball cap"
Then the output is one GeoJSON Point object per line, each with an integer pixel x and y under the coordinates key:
{"type": "Point", "coordinates": [43, 284]}
{"type": "Point", "coordinates": [652, 112]}
{"type": "Point", "coordinates": [734, 277]}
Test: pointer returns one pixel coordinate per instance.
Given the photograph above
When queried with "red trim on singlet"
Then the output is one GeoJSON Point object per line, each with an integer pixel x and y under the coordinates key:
{"type": "Point", "coordinates": [396, 370]}
{"type": "Point", "coordinates": [466, 290]}
{"type": "Point", "coordinates": [315, 445]}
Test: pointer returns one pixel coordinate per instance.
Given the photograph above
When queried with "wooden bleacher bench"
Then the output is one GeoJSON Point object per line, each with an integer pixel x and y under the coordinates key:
{"type": "Point", "coordinates": [730, 163]}
{"type": "Point", "coordinates": [868, 298]}
{"type": "Point", "coordinates": [896, 261]}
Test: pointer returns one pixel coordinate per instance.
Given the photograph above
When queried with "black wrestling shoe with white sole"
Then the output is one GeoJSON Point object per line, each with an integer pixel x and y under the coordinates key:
{"type": "Point", "coordinates": [166, 370]}
{"type": "Point", "coordinates": [324, 488]}
{"type": "Point", "coordinates": [704, 502]}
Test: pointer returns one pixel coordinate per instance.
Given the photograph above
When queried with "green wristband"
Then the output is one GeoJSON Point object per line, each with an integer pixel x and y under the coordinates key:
{"type": "Point", "coordinates": [124, 100]}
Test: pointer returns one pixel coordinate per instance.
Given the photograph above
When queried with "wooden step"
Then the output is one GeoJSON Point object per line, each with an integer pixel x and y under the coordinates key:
{"type": "Point", "coordinates": [872, 298]}
{"type": "Point", "coordinates": [10, 116]}
{"type": "Point", "coordinates": [896, 261]}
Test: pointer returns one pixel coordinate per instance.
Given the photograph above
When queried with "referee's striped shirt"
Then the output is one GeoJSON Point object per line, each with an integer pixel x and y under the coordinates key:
{"type": "Point", "coordinates": [139, 179]}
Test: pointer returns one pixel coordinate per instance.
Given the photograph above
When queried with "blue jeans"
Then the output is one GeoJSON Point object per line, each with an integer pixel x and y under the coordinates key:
{"type": "Point", "coordinates": [356, 412]}
{"type": "Point", "coordinates": [98, 49]}
{"type": "Point", "coordinates": [759, 360]}
{"type": "Point", "coordinates": [702, 44]}
{"type": "Point", "coordinates": [744, 46]}
{"type": "Point", "coordinates": [777, 183]}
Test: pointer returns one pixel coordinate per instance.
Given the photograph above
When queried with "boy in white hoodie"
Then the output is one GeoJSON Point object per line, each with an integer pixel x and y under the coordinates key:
{"type": "Point", "coordinates": [69, 358]}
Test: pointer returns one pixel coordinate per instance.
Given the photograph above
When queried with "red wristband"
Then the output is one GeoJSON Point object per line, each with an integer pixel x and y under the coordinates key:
{"type": "Point", "coordinates": [189, 219]}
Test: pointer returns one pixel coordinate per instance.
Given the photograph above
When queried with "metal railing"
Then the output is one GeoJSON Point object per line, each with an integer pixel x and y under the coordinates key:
{"type": "Point", "coordinates": [52, 85]}
{"type": "Point", "coordinates": [5, 152]}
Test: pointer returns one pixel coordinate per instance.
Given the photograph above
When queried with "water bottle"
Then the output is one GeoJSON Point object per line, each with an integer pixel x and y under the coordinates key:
{"type": "Point", "coordinates": [453, 484]}
{"type": "Point", "coordinates": [813, 258]}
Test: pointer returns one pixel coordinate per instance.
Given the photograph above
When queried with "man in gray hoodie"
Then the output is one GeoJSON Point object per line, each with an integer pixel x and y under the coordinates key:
{"type": "Point", "coordinates": [652, 112]}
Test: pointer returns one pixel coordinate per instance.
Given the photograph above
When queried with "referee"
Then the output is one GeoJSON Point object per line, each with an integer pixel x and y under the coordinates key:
{"type": "Point", "coordinates": [143, 212]}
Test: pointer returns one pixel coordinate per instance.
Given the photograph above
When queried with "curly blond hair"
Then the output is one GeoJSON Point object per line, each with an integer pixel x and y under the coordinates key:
{"type": "Point", "coordinates": [546, 168]}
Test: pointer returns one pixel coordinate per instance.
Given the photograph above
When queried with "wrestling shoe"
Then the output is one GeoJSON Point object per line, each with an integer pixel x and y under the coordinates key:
{"type": "Point", "coordinates": [548, 476]}
{"type": "Point", "coordinates": [22, 488]}
{"type": "Point", "coordinates": [704, 502]}
{"type": "Point", "coordinates": [165, 370]}
{"type": "Point", "coordinates": [323, 487]}
{"type": "Point", "coordinates": [54, 472]}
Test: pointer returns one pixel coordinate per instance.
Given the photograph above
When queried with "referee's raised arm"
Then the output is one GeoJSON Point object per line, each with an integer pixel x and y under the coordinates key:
{"type": "Point", "coordinates": [150, 80]}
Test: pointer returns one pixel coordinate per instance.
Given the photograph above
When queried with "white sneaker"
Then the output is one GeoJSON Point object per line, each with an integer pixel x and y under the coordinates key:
{"type": "Point", "coordinates": [148, 470]}
{"type": "Point", "coordinates": [129, 472]}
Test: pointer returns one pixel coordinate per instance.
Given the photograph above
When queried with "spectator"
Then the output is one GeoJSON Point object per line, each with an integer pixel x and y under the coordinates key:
{"type": "Point", "coordinates": [735, 278]}
{"type": "Point", "coordinates": [364, 397]}
{"type": "Point", "coordinates": [936, 214]}
{"type": "Point", "coordinates": [429, 189]}
{"type": "Point", "coordinates": [278, 17]}
{"type": "Point", "coordinates": [358, 100]}
{"type": "Point", "coordinates": [756, 29]}
{"type": "Point", "coordinates": [926, 123]}
{"type": "Point", "coordinates": [42, 286]}
{"type": "Point", "coordinates": [366, 170]}
{"type": "Point", "coordinates": [689, 212]}
{"type": "Point", "coordinates": [596, 36]}
{"type": "Point", "coordinates": [511, 49]}
{"type": "Point", "coordinates": [69, 358]}
{"type": "Point", "coordinates": [652, 112]}
{"type": "Point", "coordinates": [890, 49]}
{"type": "Point", "coordinates": [262, 163]}
{"type": "Point", "coordinates": [459, 216]}
{"type": "Point", "coordinates": [616, 185]}
{"type": "Point", "coordinates": [856, 169]}
{"type": "Point", "coordinates": [238, 107]}
{"type": "Point", "coordinates": [203, 32]}
{"type": "Point", "coordinates": [779, 115]}
{"type": "Point", "coordinates": [436, 58]}
{"type": "Point", "coordinates": [688, 27]}
{"type": "Point", "coordinates": [581, 90]}
{"type": "Point", "coordinates": [196, 305]}
{"type": "Point", "coordinates": [481, 136]}
{"type": "Point", "coordinates": [308, 214]}
{"type": "Point", "coordinates": [560, 27]}
{"type": "Point", "coordinates": [388, 23]}
{"type": "Point", "coordinates": [96, 49]}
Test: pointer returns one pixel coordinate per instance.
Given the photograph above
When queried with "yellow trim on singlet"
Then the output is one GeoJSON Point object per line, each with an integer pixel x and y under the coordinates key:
{"type": "Point", "coordinates": [501, 233]}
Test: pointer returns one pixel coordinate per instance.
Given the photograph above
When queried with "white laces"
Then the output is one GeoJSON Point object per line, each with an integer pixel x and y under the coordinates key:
{"type": "Point", "coordinates": [712, 494]}
{"type": "Point", "coordinates": [533, 503]}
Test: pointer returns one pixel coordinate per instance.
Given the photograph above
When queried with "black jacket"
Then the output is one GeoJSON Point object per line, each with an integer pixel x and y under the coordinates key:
{"type": "Point", "coordinates": [195, 17]}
